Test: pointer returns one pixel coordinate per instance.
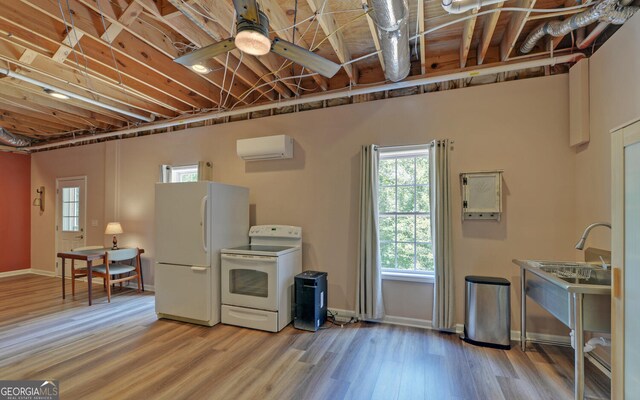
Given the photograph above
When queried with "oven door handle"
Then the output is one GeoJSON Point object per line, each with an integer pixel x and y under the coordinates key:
{"type": "Point", "coordinates": [239, 257]}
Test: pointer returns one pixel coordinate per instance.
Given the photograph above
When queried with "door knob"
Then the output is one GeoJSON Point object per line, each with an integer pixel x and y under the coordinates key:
{"type": "Point", "coordinates": [80, 237]}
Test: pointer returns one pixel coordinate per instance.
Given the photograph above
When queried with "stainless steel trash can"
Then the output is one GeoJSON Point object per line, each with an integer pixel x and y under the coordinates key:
{"type": "Point", "coordinates": [487, 319]}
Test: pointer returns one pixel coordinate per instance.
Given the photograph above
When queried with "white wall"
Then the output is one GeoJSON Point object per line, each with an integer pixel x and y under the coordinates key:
{"type": "Point", "coordinates": [518, 126]}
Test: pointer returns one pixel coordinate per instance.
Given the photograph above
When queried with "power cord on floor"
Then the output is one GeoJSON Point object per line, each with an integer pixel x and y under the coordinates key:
{"type": "Point", "coordinates": [331, 317]}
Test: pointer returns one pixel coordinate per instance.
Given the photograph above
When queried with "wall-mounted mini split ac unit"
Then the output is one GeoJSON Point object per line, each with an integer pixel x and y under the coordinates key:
{"type": "Point", "coordinates": [265, 148]}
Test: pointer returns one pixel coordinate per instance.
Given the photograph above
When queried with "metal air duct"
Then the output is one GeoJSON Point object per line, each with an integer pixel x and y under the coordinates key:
{"type": "Point", "coordinates": [10, 139]}
{"type": "Point", "coordinates": [391, 17]}
{"type": "Point", "coordinates": [606, 11]}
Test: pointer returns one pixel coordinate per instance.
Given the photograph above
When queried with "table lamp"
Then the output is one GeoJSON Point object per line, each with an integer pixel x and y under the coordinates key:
{"type": "Point", "coordinates": [114, 228]}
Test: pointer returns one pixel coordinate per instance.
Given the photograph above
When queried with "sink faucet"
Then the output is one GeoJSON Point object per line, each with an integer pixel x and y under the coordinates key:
{"type": "Point", "coordinates": [580, 244]}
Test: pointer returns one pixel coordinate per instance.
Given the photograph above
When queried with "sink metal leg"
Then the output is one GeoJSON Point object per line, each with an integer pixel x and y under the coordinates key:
{"type": "Point", "coordinates": [523, 311]}
{"type": "Point", "coordinates": [579, 343]}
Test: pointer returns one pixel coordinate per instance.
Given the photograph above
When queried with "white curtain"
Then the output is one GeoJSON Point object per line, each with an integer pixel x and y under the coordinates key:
{"type": "Point", "coordinates": [440, 191]}
{"type": "Point", "coordinates": [369, 303]}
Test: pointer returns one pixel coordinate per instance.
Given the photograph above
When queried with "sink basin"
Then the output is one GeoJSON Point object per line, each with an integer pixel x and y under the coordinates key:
{"type": "Point", "coordinates": [579, 274]}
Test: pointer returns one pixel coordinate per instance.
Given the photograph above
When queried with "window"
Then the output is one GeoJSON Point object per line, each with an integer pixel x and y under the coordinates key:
{"type": "Point", "coordinates": [404, 212]}
{"type": "Point", "coordinates": [183, 173]}
{"type": "Point", "coordinates": [71, 209]}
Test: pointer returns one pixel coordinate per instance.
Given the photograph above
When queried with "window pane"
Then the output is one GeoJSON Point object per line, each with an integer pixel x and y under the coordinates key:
{"type": "Point", "coordinates": [424, 257]}
{"type": "Point", "coordinates": [406, 228]}
{"type": "Point", "coordinates": [387, 229]}
{"type": "Point", "coordinates": [422, 170]}
{"type": "Point", "coordinates": [422, 199]}
{"type": "Point", "coordinates": [423, 229]}
{"type": "Point", "coordinates": [387, 199]}
{"type": "Point", "coordinates": [406, 198]}
{"type": "Point", "coordinates": [405, 256]}
{"type": "Point", "coordinates": [406, 171]}
{"type": "Point", "coordinates": [186, 173]}
{"type": "Point", "coordinates": [387, 172]}
{"type": "Point", "coordinates": [388, 255]}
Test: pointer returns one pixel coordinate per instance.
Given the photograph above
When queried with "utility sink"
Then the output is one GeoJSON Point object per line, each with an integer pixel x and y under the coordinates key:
{"type": "Point", "coordinates": [552, 284]}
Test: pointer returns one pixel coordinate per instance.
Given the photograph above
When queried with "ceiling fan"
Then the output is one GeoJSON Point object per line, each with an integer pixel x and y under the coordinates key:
{"type": "Point", "coordinates": [252, 26]}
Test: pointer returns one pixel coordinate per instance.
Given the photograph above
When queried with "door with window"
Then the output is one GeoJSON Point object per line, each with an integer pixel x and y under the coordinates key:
{"type": "Point", "coordinates": [70, 204]}
{"type": "Point", "coordinates": [625, 210]}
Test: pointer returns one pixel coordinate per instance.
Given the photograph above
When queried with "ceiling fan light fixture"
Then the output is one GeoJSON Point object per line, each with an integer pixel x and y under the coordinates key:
{"type": "Point", "coordinates": [253, 42]}
{"type": "Point", "coordinates": [201, 69]}
{"type": "Point", "coordinates": [55, 94]}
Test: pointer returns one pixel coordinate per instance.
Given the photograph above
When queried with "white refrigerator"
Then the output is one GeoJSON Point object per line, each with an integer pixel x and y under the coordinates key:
{"type": "Point", "coordinates": [194, 221]}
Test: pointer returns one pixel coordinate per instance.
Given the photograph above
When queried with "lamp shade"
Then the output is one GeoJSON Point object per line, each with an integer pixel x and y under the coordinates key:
{"type": "Point", "coordinates": [113, 228]}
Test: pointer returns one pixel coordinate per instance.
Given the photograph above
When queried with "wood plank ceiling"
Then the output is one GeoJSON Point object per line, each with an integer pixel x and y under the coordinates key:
{"type": "Point", "coordinates": [120, 54]}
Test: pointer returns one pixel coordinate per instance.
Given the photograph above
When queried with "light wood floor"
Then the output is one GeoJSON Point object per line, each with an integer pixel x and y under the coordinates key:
{"type": "Point", "coordinates": [121, 351]}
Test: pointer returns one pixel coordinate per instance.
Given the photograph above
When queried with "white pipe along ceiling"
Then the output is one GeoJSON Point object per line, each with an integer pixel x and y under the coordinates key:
{"type": "Point", "coordinates": [12, 74]}
{"type": "Point", "coordinates": [461, 6]}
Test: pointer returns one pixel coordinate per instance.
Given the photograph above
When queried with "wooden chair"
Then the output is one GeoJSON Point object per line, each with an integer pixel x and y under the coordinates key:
{"type": "Point", "coordinates": [114, 271]}
{"type": "Point", "coordinates": [79, 271]}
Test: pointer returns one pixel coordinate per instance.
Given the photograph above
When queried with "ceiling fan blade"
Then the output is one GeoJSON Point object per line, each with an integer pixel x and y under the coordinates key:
{"type": "Point", "coordinates": [304, 57]}
{"type": "Point", "coordinates": [247, 9]}
{"type": "Point", "coordinates": [206, 52]}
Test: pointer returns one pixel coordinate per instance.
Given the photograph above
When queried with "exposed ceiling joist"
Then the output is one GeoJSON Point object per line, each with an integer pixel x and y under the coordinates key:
{"type": "Point", "coordinates": [422, 40]}
{"type": "Point", "coordinates": [467, 35]}
{"type": "Point", "coordinates": [331, 29]}
{"type": "Point", "coordinates": [488, 29]}
{"type": "Point", "coordinates": [516, 24]}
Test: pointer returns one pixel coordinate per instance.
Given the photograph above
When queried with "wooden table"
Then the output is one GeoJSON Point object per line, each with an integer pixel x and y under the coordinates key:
{"type": "Point", "coordinates": [88, 256]}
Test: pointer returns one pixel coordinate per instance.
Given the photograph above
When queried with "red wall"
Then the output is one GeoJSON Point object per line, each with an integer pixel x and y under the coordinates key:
{"type": "Point", "coordinates": [15, 211]}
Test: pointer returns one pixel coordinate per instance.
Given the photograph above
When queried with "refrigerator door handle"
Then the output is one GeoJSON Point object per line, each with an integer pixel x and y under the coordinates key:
{"type": "Point", "coordinates": [198, 269]}
{"type": "Point", "coordinates": [203, 222]}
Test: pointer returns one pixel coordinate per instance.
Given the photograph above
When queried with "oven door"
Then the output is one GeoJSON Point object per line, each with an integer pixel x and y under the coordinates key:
{"type": "Point", "coordinates": [250, 281]}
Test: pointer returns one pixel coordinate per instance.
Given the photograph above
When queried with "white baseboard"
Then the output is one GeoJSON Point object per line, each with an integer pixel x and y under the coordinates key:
{"type": "Point", "coordinates": [42, 272]}
{"type": "Point", "coordinates": [404, 321]}
{"type": "Point", "coordinates": [27, 271]}
{"type": "Point", "coordinates": [542, 338]}
{"type": "Point", "coordinates": [23, 271]}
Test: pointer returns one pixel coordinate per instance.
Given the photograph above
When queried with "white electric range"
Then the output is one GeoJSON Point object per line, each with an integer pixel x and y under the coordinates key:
{"type": "Point", "coordinates": [257, 279]}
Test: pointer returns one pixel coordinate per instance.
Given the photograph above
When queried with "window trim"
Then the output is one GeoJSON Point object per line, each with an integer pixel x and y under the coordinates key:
{"type": "Point", "coordinates": [397, 152]}
{"type": "Point", "coordinates": [419, 277]}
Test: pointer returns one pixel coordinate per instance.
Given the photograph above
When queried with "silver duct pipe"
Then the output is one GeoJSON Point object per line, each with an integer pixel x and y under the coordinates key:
{"type": "Point", "coordinates": [13, 140]}
{"type": "Point", "coordinates": [461, 6]}
{"type": "Point", "coordinates": [605, 11]}
{"type": "Point", "coordinates": [391, 20]}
